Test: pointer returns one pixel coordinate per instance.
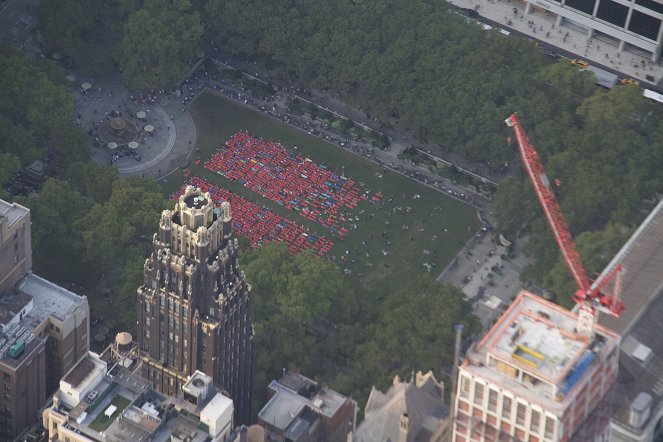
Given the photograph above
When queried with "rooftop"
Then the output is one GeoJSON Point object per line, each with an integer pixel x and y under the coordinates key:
{"type": "Point", "coordinates": [12, 212]}
{"type": "Point", "coordinates": [11, 304]}
{"type": "Point", "coordinates": [322, 399]}
{"type": "Point", "coordinates": [49, 300]}
{"type": "Point", "coordinates": [538, 336]}
{"type": "Point", "coordinates": [195, 201]}
{"type": "Point", "coordinates": [642, 260]}
{"type": "Point", "coordinates": [79, 372]}
{"type": "Point", "coordinates": [282, 408]}
{"type": "Point", "coordinates": [422, 399]}
{"type": "Point", "coordinates": [641, 356]}
{"type": "Point", "coordinates": [538, 339]}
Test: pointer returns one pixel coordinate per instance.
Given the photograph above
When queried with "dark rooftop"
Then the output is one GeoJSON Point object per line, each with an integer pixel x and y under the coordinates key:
{"type": "Point", "coordinates": [79, 372]}
{"type": "Point", "coordinates": [195, 201]}
{"type": "Point", "coordinates": [301, 385]}
{"type": "Point", "coordinates": [641, 362]}
{"type": "Point", "coordinates": [11, 303]}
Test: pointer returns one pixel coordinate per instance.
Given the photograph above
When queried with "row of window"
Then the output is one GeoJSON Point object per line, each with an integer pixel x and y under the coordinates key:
{"type": "Point", "coordinates": [506, 410]}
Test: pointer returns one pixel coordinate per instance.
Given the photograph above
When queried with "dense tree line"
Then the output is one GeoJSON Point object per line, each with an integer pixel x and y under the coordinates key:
{"type": "Point", "coordinates": [36, 111]}
{"type": "Point", "coordinates": [151, 41]}
{"type": "Point", "coordinates": [418, 65]}
{"type": "Point", "coordinates": [309, 317]}
{"type": "Point", "coordinates": [424, 67]}
{"type": "Point", "coordinates": [93, 229]}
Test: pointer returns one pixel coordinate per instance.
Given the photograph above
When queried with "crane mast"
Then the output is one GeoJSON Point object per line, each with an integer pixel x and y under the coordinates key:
{"type": "Point", "coordinates": [591, 297]}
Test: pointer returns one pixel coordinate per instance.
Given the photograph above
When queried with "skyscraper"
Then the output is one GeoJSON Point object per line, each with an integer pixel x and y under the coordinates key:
{"type": "Point", "coordinates": [193, 308]}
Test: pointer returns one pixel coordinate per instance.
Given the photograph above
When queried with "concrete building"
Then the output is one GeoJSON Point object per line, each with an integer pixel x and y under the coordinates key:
{"type": "Point", "coordinates": [407, 412]}
{"type": "Point", "coordinates": [193, 308]}
{"type": "Point", "coordinates": [533, 378]}
{"type": "Point", "coordinates": [636, 23]}
{"type": "Point", "coordinates": [15, 244]}
{"type": "Point", "coordinates": [638, 402]}
{"type": "Point", "coordinates": [299, 410]}
{"type": "Point", "coordinates": [44, 329]}
{"type": "Point", "coordinates": [103, 398]}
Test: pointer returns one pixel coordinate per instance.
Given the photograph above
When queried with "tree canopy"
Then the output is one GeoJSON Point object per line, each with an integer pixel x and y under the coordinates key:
{"type": "Point", "coordinates": [159, 41]}
{"type": "Point", "coordinates": [36, 112]}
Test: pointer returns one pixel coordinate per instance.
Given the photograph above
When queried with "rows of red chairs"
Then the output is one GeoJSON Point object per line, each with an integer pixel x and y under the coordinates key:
{"type": "Point", "coordinates": [297, 183]}
{"type": "Point", "coordinates": [260, 225]}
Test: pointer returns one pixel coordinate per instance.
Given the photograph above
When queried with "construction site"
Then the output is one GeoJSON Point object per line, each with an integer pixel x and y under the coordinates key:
{"type": "Point", "coordinates": [545, 373]}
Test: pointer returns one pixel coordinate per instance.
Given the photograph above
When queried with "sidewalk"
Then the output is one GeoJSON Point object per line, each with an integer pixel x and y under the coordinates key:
{"type": "Point", "coordinates": [539, 25]}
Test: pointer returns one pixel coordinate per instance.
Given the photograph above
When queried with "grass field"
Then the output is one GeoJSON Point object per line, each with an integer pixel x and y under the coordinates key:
{"type": "Point", "coordinates": [102, 422]}
{"type": "Point", "coordinates": [387, 243]}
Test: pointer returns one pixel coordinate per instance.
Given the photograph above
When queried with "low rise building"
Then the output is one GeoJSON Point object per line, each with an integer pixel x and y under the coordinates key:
{"type": "Point", "coordinates": [408, 411]}
{"type": "Point", "coordinates": [300, 410]}
{"type": "Point", "coordinates": [104, 398]}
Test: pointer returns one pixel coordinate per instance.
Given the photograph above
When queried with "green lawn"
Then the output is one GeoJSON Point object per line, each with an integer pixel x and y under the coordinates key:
{"type": "Point", "coordinates": [430, 228]}
{"type": "Point", "coordinates": [102, 422]}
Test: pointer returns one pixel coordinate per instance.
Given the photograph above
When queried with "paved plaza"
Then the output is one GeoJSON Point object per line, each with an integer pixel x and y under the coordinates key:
{"type": "Point", "coordinates": [162, 148]}
{"type": "Point", "coordinates": [539, 24]}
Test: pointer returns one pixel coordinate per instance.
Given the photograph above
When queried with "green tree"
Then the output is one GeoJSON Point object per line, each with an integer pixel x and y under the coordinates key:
{"type": "Point", "coordinates": [414, 331]}
{"type": "Point", "coordinates": [293, 298]}
{"type": "Point", "coordinates": [159, 41]}
{"type": "Point", "coordinates": [57, 247]}
{"type": "Point", "coordinates": [9, 166]}
{"type": "Point", "coordinates": [111, 229]}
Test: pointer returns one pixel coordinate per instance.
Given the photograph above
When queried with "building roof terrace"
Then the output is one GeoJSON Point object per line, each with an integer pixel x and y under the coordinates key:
{"type": "Point", "coordinates": [539, 340]}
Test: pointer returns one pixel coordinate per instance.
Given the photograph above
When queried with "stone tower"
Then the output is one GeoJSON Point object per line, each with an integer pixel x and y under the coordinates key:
{"type": "Point", "coordinates": [193, 307]}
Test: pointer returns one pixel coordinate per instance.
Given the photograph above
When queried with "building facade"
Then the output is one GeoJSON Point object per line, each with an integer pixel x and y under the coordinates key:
{"type": "Point", "coordinates": [193, 308]}
{"type": "Point", "coordinates": [638, 404]}
{"type": "Point", "coordinates": [535, 378]}
{"type": "Point", "coordinates": [44, 328]}
{"type": "Point", "coordinates": [630, 22]}
{"type": "Point", "coordinates": [15, 244]}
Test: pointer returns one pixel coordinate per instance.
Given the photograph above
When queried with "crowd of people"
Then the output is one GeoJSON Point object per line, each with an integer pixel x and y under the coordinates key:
{"type": "Point", "coordinates": [297, 183]}
{"type": "Point", "coordinates": [260, 225]}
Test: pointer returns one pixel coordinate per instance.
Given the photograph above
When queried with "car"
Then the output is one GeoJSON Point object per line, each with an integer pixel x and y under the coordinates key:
{"type": "Point", "coordinates": [470, 12]}
{"type": "Point", "coordinates": [580, 63]}
{"type": "Point", "coordinates": [629, 81]}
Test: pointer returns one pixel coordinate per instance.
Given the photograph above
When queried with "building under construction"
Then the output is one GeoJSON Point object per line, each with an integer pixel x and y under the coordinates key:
{"type": "Point", "coordinates": [534, 377]}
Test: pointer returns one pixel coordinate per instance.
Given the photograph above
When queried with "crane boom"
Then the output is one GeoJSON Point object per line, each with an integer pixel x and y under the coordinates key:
{"type": "Point", "coordinates": [587, 293]}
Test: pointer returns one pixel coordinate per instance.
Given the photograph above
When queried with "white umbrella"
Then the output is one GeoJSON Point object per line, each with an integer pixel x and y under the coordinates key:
{"type": "Point", "coordinates": [133, 145]}
{"type": "Point", "coordinates": [70, 78]}
{"type": "Point", "coordinates": [112, 145]}
{"type": "Point", "coordinates": [148, 128]}
{"type": "Point", "coordinates": [141, 115]}
{"type": "Point", "coordinates": [85, 86]}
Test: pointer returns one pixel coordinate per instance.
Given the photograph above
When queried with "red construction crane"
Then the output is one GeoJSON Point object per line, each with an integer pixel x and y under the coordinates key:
{"type": "Point", "coordinates": [589, 295]}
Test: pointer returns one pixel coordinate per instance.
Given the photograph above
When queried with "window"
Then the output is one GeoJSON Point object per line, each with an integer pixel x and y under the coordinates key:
{"type": "Point", "coordinates": [520, 414]}
{"type": "Point", "coordinates": [478, 393]}
{"type": "Point", "coordinates": [535, 421]}
{"type": "Point", "coordinates": [506, 407]}
{"type": "Point", "coordinates": [464, 386]}
{"type": "Point", "coordinates": [550, 427]}
{"type": "Point", "coordinates": [492, 400]}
